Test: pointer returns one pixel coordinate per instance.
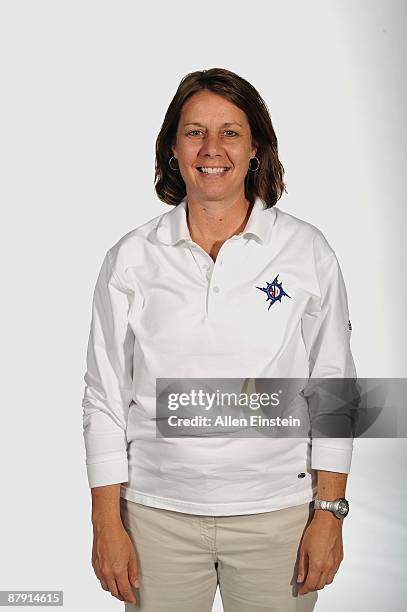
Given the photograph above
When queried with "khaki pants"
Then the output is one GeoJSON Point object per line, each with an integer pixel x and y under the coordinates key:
{"type": "Point", "coordinates": [183, 557]}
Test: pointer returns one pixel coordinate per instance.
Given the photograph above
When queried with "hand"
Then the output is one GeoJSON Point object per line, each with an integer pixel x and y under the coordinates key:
{"type": "Point", "coordinates": [114, 561]}
{"type": "Point", "coordinates": [321, 552]}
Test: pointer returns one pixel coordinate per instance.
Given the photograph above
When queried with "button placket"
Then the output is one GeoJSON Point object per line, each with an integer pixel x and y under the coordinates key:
{"type": "Point", "coordinates": [215, 284]}
{"type": "Point", "coordinates": [213, 272]}
{"type": "Point", "coordinates": [201, 259]}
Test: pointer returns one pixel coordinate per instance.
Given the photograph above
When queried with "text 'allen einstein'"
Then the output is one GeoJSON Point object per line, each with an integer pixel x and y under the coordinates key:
{"type": "Point", "coordinates": [254, 420]}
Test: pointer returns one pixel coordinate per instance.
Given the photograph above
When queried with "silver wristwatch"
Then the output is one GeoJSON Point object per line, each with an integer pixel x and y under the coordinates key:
{"type": "Point", "coordinates": [340, 506]}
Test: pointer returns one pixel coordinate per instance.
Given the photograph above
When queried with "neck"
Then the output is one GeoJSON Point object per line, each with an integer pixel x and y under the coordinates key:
{"type": "Point", "coordinates": [217, 220]}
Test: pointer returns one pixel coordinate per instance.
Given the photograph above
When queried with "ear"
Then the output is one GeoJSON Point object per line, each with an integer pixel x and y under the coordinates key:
{"type": "Point", "coordinates": [254, 150]}
{"type": "Point", "coordinates": [173, 149]}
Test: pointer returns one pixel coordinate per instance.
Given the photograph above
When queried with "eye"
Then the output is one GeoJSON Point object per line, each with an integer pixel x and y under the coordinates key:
{"type": "Point", "coordinates": [196, 132]}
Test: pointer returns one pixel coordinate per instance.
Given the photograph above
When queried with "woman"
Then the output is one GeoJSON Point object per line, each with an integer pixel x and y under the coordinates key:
{"type": "Point", "coordinates": [224, 285]}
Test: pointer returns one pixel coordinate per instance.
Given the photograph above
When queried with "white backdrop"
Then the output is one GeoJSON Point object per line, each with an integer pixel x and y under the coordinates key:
{"type": "Point", "coordinates": [85, 85]}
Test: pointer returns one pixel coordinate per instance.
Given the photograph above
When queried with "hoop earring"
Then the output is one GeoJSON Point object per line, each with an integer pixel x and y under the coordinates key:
{"type": "Point", "coordinates": [169, 163]}
{"type": "Point", "coordinates": [258, 164]}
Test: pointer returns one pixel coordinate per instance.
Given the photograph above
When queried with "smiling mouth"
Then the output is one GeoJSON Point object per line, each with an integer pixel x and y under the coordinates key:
{"type": "Point", "coordinates": [212, 170]}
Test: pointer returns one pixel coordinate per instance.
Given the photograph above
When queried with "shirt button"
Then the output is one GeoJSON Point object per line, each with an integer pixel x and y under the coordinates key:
{"type": "Point", "coordinates": [216, 289]}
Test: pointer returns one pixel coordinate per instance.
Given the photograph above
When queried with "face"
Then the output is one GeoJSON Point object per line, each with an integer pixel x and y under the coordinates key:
{"type": "Point", "coordinates": [213, 147]}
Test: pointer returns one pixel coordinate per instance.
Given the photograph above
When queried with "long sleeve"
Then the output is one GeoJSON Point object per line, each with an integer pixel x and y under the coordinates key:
{"type": "Point", "coordinates": [108, 378]}
{"type": "Point", "coordinates": [326, 332]}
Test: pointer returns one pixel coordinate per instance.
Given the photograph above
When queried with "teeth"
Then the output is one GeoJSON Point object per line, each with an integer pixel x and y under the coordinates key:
{"type": "Point", "coordinates": [213, 170]}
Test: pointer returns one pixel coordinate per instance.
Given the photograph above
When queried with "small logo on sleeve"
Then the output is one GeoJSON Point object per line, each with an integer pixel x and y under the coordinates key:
{"type": "Point", "coordinates": [274, 291]}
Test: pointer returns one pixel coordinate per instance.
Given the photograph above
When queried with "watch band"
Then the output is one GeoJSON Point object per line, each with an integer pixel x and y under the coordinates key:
{"type": "Point", "coordinates": [339, 507]}
{"type": "Point", "coordinates": [323, 504]}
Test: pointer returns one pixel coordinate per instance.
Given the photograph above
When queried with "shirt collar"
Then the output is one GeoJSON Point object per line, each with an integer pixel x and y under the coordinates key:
{"type": "Point", "coordinates": [173, 227]}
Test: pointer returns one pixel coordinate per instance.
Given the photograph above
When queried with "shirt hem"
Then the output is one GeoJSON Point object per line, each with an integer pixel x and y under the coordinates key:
{"type": "Point", "coordinates": [226, 509]}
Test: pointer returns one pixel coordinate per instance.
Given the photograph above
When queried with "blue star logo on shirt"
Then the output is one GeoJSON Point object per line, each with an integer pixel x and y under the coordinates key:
{"type": "Point", "coordinates": [274, 291]}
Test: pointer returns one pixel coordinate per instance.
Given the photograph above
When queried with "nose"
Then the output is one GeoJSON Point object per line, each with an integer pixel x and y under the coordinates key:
{"type": "Point", "coordinates": [211, 146]}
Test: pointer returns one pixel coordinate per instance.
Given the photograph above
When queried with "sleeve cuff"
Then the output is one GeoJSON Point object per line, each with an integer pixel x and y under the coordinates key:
{"type": "Point", "coordinates": [330, 458]}
{"type": "Point", "coordinates": [107, 472]}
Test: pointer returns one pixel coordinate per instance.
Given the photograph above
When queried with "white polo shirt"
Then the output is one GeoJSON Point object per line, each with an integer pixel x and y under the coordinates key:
{"type": "Point", "coordinates": [163, 309]}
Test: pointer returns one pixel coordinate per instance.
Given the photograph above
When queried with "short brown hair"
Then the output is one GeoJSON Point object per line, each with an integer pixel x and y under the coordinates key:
{"type": "Point", "coordinates": [267, 181]}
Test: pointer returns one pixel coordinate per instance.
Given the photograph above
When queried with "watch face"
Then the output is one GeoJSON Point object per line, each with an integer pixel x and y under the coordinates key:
{"type": "Point", "coordinates": [343, 507]}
